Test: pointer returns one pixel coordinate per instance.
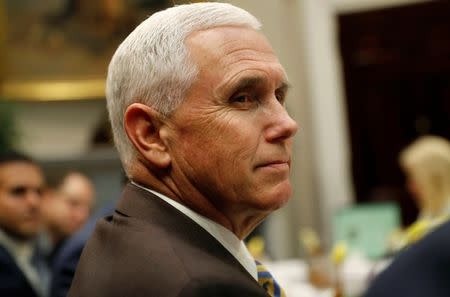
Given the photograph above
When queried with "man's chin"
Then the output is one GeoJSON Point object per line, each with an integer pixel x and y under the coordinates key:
{"type": "Point", "coordinates": [283, 191]}
{"type": "Point", "coordinates": [277, 198]}
{"type": "Point", "coordinates": [23, 234]}
{"type": "Point", "coordinates": [282, 201]}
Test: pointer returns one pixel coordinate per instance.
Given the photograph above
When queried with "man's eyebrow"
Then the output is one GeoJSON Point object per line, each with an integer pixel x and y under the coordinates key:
{"type": "Point", "coordinates": [246, 82]}
{"type": "Point", "coordinates": [252, 81]}
{"type": "Point", "coordinates": [284, 86]}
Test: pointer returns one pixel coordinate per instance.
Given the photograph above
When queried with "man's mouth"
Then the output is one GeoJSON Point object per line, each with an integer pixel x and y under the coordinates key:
{"type": "Point", "coordinates": [276, 164]}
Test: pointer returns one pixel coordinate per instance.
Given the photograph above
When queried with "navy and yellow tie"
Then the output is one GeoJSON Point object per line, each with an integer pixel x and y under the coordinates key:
{"type": "Point", "coordinates": [266, 280]}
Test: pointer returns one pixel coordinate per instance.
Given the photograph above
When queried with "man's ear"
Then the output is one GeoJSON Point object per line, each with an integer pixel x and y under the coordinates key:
{"type": "Point", "coordinates": [142, 125]}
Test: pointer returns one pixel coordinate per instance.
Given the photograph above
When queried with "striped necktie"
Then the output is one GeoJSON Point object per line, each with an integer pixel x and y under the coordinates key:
{"type": "Point", "coordinates": [266, 280]}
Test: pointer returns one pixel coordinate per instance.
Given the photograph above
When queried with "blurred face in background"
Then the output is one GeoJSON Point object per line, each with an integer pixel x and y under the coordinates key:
{"type": "Point", "coordinates": [414, 190]}
{"type": "Point", "coordinates": [78, 193]}
{"type": "Point", "coordinates": [68, 207]}
{"type": "Point", "coordinates": [21, 185]}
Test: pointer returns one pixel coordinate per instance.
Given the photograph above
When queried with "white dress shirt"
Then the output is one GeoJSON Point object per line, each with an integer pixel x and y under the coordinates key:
{"type": "Point", "coordinates": [227, 238]}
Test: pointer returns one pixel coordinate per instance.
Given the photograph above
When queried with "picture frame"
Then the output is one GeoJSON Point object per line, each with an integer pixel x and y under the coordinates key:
{"type": "Point", "coordinates": [53, 50]}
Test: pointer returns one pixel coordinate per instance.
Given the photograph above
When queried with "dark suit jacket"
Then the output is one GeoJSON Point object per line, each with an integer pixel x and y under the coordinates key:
{"type": "Point", "coordinates": [150, 249]}
{"type": "Point", "coordinates": [13, 282]}
{"type": "Point", "coordinates": [66, 260]}
{"type": "Point", "coordinates": [422, 270]}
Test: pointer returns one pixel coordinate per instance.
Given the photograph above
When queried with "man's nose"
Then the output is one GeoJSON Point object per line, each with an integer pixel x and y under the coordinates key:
{"type": "Point", "coordinates": [33, 198]}
{"type": "Point", "coordinates": [282, 125]}
{"type": "Point", "coordinates": [81, 214]}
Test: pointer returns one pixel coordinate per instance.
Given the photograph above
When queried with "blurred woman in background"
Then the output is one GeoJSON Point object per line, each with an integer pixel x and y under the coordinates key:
{"type": "Point", "coordinates": [422, 268]}
{"type": "Point", "coordinates": [426, 163]}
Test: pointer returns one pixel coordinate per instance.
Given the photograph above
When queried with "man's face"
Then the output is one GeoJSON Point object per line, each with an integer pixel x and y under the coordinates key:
{"type": "Point", "coordinates": [67, 208]}
{"type": "Point", "coordinates": [78, 193]}
{"type": "Point", "coordinates": [231, 138]}
{"type": "Point", "coordinates": [21, 186]}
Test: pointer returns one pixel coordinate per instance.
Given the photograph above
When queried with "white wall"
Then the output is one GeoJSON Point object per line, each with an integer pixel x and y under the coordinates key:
{"type": "Point", "coordinates": [329, 119]}
{"type": "Point", "coordinates": [361, 5]}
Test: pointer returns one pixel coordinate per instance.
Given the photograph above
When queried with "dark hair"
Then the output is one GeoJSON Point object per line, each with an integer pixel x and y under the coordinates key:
{"type": "Point", "coordinates": [13, 156]}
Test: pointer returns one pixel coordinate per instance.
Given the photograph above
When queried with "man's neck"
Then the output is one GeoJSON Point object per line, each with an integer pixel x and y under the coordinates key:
{"type": "Point", "coordinates": [190, 198]}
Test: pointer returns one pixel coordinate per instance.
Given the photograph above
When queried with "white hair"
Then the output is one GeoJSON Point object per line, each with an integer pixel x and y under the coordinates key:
{"type": "Point", "coordinates": [152, 65]}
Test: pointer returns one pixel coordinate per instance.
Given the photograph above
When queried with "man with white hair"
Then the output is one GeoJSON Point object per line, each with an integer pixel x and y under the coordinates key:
{"type": "Point", "coordinates": [196, 100]}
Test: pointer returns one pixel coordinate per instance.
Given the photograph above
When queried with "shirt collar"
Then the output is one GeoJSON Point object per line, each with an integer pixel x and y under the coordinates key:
{"type": "Point", "coordinates": [21, 251]}
{"type": "Point", "coordinates": [227, 238]}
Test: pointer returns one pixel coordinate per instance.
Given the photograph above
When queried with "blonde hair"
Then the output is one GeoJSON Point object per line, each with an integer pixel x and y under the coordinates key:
{"type": "Point", "coordinates": [427, 163]}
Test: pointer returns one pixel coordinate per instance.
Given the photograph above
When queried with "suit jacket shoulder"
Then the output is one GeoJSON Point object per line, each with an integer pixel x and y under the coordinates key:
{"type": "Point", "coordinates": [149, 248]}
{"type": "Point", "coordinates": [423, 269]}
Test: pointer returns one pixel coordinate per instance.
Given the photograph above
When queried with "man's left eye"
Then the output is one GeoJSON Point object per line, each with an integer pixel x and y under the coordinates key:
{"type": "Point", "coordinates": [280, 97]}
{"type": "Point", "coordinates": [240, 98]}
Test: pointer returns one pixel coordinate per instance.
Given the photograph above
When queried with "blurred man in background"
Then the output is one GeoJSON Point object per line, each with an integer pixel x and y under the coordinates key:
{"type": "Point", "coordinates": [66, 209]}
{"type": "Point", "coordinates": [22, 271]}
{"type": "Point", "coordinates": [66, 260]}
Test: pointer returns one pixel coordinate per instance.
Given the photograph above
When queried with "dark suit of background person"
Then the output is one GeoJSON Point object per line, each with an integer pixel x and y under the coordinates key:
{"type": "Point", "coordinates": [22, 269]}
{"type": "Point", "coordinates": [13, 282]}
{"type": "Point", "coordinates": [422, 270]}
{"type": "Point", "coordinates": [196, 97]}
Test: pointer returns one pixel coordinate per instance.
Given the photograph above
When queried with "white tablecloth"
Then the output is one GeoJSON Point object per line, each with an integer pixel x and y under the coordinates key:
{"type": "Point", "coordinates": [355, 274]}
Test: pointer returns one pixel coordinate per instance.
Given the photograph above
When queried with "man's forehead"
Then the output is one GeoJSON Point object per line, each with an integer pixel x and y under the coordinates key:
{"type": "Point", "coordinates": [228, 50]}
{"type": "Point", "coordinates": [16, 171]}
{"type": "Point", "coordinates": [222, 40]}
{"type": "Point", "coordinates": [220, 32]}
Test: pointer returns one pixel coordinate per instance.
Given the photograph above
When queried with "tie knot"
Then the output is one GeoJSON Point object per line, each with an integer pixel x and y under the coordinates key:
{"type": "Point", "coordinates": [266, 280]}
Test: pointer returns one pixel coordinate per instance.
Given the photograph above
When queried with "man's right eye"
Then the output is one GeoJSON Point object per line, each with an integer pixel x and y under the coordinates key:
{"type": "Point", "coordinates": [18, 191]}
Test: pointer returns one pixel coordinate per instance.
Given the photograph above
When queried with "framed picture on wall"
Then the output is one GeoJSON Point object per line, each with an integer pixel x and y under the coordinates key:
{"type": "Point", "coordinates": [60, 49]}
